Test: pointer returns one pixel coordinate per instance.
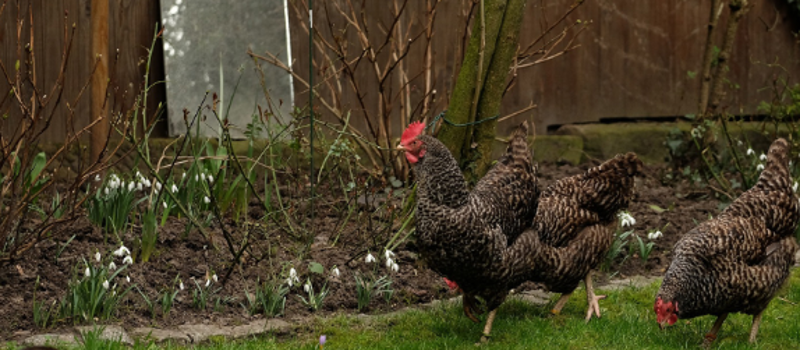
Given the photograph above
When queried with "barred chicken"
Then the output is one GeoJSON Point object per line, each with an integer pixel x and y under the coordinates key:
{"type": "Point", "coordinates": [466, 235]}
{"type": "Point", "coordinates": [737, 261]}
{"type": "Point", "coordinates": [575, 227]}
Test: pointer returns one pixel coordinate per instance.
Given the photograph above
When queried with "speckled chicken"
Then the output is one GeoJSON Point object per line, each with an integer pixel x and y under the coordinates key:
{"type": "Point", "coordinates": [737, 261]}
{"type": "Point", "coordinates": [465, 235]}
{"type": "Point", "coordinates": [575, 226]}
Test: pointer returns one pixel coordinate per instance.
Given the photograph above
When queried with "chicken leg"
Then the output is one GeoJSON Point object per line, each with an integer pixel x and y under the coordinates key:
{"type": "Point", "coordinates": [560, 303]}
{"type": "Point", "coordinates": [487, 329]}
{"type": "Point", "coordinates": [592, 299]}
{"type": "Point", "coordinates": [470, 307]}
{"type": "Point", "coordinates": [754, 328]}
{"type": "Point", "coordinates": [712, 334]}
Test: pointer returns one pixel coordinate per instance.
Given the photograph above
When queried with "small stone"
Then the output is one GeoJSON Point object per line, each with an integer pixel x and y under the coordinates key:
{"type": "Point", "coordinates": [200, 332]}
{"type": "Point", "coordinates": [111, 333]}
{"type": "Point", "coordinates": [51, 339]}
{"type": "Point", "coordinates": [160, 335]}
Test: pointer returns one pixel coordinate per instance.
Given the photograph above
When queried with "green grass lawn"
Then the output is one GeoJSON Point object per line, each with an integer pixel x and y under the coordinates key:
{"type": "Point", "coordinates": [628, 323]}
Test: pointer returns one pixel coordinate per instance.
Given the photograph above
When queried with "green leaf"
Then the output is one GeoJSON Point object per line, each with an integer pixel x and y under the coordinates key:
{"type": "Point", "coordinates": [16, 65]}
{"type": "Point", "coordinates": [38, 165]}
{"type": "Point", "coordinates": [657, 209]}
{"type": "Point", "coordinates": [316, 267]}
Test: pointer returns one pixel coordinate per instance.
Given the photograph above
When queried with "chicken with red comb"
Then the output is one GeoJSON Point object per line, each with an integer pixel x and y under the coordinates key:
{"type": "Point", "coordinates": [737, 261]}
{"type": "Point", "coordinates": [467, 236]}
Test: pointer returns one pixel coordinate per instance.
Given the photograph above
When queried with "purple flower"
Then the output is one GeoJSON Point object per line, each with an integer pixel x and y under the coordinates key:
{"type": "Point", "coordinates": [322, 340]}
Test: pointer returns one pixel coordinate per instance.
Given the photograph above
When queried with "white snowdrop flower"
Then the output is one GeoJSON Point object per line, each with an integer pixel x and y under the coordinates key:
{"type": "Point", "coordinates": [180, 285]}
{"type": "Point", "coordinates": [307, 287]}
{"type": "Point", "coordinates": [97, 256]}
{"type": "Point", "coordinates": [335, 271]}
{"type": "Point", "coordinates": [113, 293]}
{"type": "Point", "coordinates": [750, 152]}
{"type": "Point", "coordinates": [289, 282]}
{"type": "Point", "coordinates": [158, 186]}
{"type": "Point", "coordinates": [389, 263]}
{"type": "Point", "coordinates": [105, 191]}
{"type": "Point", "coordinates": [389, 254]}
{"type": "Point", "coordinates": [760, 167]}
{"type": "Point", "coordinates": [147, 183]}
{"type": "Point", "coordinates": [293, 279]}
{"type": "Point", "coordinates": [128, 279]}
{"type": "Point", "coordinates": [762, 157]}
{"type": "Point", "coordinates": [174, 188]}
{"type": "Point", "coordinates": [626, 219]}
{"type": "Point", "coordinates": [739, 143]}
{"type": "Point", "coordinates": [654, 235]}
{"type": "Point", "coordinates": [696, 133]}
{"type": "Point", "coordinates": [203, 176]}
{"type": "Point", "coordinates": [97, 178]}
{"type": "Point", "coordinates": [183, 176]}
{"type": "Point", "coordinates": [122, 251]}
{"type": "Point", "coordinates": [128, 260]}
{"type": "Point", "coordinates": [105, 285]}
{"type": "Point", "coordinates": [206, 200]}
{"type": "Point", "coordinates": [210, 179]}
{"type": "Point", "coordinates": [395, 268]}
{"type": "Point", "coordinates": [370, 259]}
{"type": "Point", "coordinates": [112, 266]}
{"type": "Point", "coordinates": [196, 178]}
{"type": "Point", "coordinates": [87, 272]}
{"type": "Point", "coordinates": [794, 187]}
{"type": "Point", "coordinates": [215, 278]}
{"type": "Point", "coordinates": [164, 204]}
{"type": "Point", "coordinates": [139, 186]}
{"type": "Point", "coordinates": [131, 186]}
{"type": "Point", "coordinates": [208, 283]}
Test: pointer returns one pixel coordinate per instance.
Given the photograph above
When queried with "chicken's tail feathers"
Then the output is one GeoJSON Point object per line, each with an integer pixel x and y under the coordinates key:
{"type": "Point", "coordinates": [776, 176]}
{"type": "Point", "coordinates": [518, 153]}
{"type": "Point", "coordinates": [623, 165]}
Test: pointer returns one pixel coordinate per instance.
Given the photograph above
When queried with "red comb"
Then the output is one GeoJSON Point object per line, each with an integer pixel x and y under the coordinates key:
{"type": "Point", "coordinates": [450, 283]}
{"type": "Point", "coordinates": [411, 132]}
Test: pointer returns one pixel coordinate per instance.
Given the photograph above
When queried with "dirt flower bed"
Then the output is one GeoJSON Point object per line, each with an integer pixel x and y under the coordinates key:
{"type": "Point", "coordinates": [330, 262]}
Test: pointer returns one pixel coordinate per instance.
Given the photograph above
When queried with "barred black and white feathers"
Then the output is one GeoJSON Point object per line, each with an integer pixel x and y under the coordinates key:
{"type": "Point", "coordinates": [463, 234]}
{"type": "Point", "coordinates": [737, 261]}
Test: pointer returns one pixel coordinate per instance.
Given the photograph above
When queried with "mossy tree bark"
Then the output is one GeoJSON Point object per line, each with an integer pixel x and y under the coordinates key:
{"type": "Point", "coordinates": [481, 83]}
{"type": "Point", "coordinates": [463, 103]}
{"type": "Point", "coordinates": [492, 94]}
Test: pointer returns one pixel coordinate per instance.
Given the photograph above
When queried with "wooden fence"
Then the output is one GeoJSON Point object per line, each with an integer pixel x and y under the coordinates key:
{"type": "Point", "coordinates": [56, 22]}
{"type": "Point", "coordinates": [636, 59]}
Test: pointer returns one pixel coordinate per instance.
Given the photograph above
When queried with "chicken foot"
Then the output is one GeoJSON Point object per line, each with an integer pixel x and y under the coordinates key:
{"type": "Point", "coordinates": [712, 334]}
{"type": "Point", "coordinates": [754, 328]}
{"type": "Point", "coordinates": [487, 329]}
{"type": "Point", "coordinates": [594, 306]}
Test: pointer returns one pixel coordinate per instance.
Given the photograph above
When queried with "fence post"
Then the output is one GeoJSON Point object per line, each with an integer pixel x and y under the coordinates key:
{"type": "Point", "coordinates": [100, 76]}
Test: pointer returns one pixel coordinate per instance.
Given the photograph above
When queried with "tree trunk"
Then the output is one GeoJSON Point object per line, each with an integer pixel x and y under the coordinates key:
{"type": "Point", "coordinates": [472, 75]}
{"type": "Point", "coordinates": [495, 85]}
{"type": "Point", "coordinates": [738, 9]}
{"type": "Point", "coordinates": [705, 85]}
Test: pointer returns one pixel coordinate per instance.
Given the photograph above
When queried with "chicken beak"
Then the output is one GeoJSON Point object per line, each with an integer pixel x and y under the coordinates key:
{"type": "Point", "coordinates": [662, 324]}
{"type": "Point", "coordinates": [400, 147]}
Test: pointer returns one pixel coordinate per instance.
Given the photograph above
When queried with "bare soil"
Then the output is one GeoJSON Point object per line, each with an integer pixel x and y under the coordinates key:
{"type": "Point", "coordinates": [192, 257]}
